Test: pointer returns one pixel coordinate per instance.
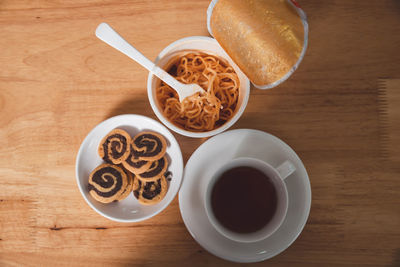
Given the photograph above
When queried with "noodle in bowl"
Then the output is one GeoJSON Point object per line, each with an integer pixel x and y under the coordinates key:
{"type": "Point", "coordinates": [214, 111]}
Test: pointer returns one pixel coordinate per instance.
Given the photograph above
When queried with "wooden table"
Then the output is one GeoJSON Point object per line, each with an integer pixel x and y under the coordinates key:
{"type": "Point", "coordinates": [340, 112]}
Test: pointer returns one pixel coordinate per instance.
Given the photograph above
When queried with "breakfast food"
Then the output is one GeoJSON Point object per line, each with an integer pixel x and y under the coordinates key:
{"type": "Point", "coordinates": [156, 170]}
{"type": "Point", "coordinates": [129, 186]}
{"type": "Point", "coordinates": [149, 146]}
{"type": "Point", "coordinates": [201, 111]}
{"type": "Point", "coordinates": [149, 193]}
{"type": "Point", "coordinates": [264, 38]}
{"type": "Point", "coordinates": [114, 147]}
{"type": "Point", "coordinates": [108, 183]}
{"type": "Point", "coordinates": [136, 164]}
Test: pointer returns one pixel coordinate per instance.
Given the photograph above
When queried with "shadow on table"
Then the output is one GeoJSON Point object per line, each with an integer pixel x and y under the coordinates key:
{"type": "Point", "coordinates": [135, 104]}
{"type": "Point", "coordinates": [397, 5]}
{"type": "Point", "coordinates": [396, 258]}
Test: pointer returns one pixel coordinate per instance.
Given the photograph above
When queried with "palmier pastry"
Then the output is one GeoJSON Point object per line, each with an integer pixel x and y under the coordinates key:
{"type": "Point", "coordinates": [129, 186]}
{"type": "Point", "coordinates": [114, 147]}
{"type": "Point", "coordinates": [149, 193]}
{"type": "Point", "coordinates": [107, 183]}
{"type": "Point", "coordinates": [136, 165]}
{"type": "Point", "coordinates": [156, 170]}
{"type": "Point", "coordinates": [149, 146]}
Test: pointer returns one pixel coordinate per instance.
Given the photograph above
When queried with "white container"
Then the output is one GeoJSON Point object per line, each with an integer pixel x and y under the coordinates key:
{"type": "Point", "coordinates": [207, 45]}
{"type": "Point", "coordinates": [303, 18]}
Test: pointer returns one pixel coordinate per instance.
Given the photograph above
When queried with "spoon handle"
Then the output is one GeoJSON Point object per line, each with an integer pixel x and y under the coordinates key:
{"type": "Point", "coordinates": [107, 34]}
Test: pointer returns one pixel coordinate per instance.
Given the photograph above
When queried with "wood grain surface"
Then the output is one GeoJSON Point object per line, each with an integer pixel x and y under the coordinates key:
{"type": "Point", "coordinates": [339, 112]}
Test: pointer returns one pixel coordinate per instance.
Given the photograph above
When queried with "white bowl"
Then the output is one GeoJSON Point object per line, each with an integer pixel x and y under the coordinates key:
{"type": "Point", "coordinates": [206, 45]}
{"type": "Point", "coordinates": [129, 209]}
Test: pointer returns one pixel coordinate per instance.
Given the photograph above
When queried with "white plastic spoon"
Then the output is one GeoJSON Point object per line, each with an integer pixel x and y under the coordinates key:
{"type": "Point", "coordinates": [105, 33]}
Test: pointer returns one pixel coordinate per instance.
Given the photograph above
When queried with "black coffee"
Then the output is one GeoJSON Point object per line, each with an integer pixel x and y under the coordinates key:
{"type": "Point", "coordinates": [243, 199]}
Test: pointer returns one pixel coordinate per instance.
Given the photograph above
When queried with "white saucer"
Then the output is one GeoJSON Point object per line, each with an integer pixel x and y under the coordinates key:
{"type": "Point", "coordinates": [217, 151]}
{"type": "Point", "coordinates": [129, 209]}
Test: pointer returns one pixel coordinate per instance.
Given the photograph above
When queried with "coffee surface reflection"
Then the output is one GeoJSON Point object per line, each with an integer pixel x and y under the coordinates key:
{"type": "Point", "coordinates": [243, 199]}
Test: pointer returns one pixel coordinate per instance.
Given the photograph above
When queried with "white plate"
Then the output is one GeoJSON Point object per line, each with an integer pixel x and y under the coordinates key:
{"type": "Point", "coordinates": [217, 151]}
{"type": "Point", "coordinates": [129, 209]}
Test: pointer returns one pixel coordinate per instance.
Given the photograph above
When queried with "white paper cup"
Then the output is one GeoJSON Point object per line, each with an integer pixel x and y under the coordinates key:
{"type": "Point", "coordinates": [207, 45]}
{"type": "Point", "coordinates": [276, 176]}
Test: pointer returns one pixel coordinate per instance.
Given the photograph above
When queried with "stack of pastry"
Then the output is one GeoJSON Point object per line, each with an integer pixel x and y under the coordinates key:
{"type": "Point", "coordinates": [136, 164]}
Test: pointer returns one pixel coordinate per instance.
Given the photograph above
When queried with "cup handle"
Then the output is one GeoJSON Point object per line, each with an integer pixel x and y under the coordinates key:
{"type": "Point", "coordinates": [286, 169]}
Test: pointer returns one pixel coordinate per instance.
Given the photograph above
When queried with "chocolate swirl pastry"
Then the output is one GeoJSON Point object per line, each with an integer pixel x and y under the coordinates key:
{"type": "Point", "coordinates": [149, 146]}
{"type": "Point", "coordinates": [149, 193]}
{"type": "Point", "coordinates": [129, 186]}
{"type": "Point", "coordinates": [114, 147]}
{"type": "Point", "coordinates": [107, 183]}
{"type": "Point", "coordinates": [156, 170]}
{"type": "Point", "coordinates": [135, 165]}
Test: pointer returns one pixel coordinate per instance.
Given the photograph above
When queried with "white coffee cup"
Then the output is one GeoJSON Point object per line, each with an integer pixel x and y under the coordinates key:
{"type": "Point", "coordinates": [276, 177]}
